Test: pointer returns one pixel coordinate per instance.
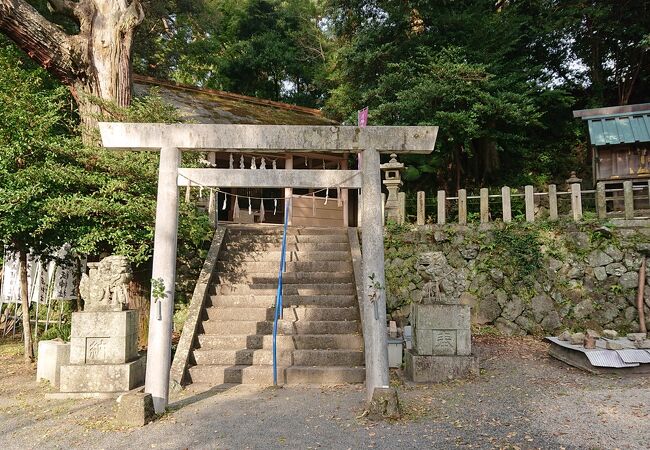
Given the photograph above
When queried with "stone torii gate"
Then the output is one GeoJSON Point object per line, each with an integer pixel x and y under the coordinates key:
{"type": "Point", "coordinates": [171, 140]}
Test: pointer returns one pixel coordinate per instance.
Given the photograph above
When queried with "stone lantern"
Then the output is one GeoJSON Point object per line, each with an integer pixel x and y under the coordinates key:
{"type": "Point", "coordinates": [393, 181]}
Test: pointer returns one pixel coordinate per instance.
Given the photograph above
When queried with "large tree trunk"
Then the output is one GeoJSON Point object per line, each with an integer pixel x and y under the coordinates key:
{"type": "Point", "coordinates": [24, 297]}
{"type": "Point", "coordinates": [95, 63]}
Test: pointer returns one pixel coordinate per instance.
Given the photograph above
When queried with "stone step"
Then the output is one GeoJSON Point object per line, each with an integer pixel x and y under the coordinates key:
{"type": "Point", "coordinates": [291, 256]}
{"type": "Point", "coordinates": [346, 358]}
{"type": "Point", "coordinates": [318, 313]}
{"type": "Point", "coordinates": [317, 327]}
{"type": "Point", "coordinates": [236, 246]}
{"type": "Point", "coordinates": [232, 342]}
{"type": "Point", "coordinates": [279, 229]}
{"type": "Point", "coordinates": [316, 342]}
{"type": "Point", "coordinates": [286, 327]}
{"type": "Point", "coordinates": [288, 289]}
{"type": "Point", "coordinates": [246, 357]}
{"type": "Point", "coordinates": [263, 375]}
{"type": "Point", "coordinates": [290, 313]}
{"type": "Point", "coordinates": [220, 374]}
{"type": "Point", "coordinates": [285, 357]}
{"type": "Point", "coordinates": [324, 375]}
{"type": "Point", "coordinates": [298, 341]}
{"type": "Point", "coordinates": [252, 268]}
{"type": "Point", "coordinates": [193, 389]}
{"type": "Point", "coordinates": [242, 313]}
{"type": "Point", "coordinates": [229, 327]}
{"type": "Point", "coordinates": [252, 238]}
{"type": "Point", "coordinates": [241, 277]}
{"type": "Point", "coordinates": [268, 301]}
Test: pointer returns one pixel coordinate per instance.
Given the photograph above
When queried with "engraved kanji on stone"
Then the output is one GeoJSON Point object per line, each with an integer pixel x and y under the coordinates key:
{"type": "Point", "coordinates": [444, 342]}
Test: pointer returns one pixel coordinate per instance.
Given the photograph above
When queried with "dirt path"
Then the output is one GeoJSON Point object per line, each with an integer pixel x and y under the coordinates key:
{"type": "Point", "coordinates": [522, 399]}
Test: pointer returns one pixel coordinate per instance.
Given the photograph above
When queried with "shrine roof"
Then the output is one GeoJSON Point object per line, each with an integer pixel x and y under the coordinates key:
{"type": "Point", "coordinates": [209, 106]}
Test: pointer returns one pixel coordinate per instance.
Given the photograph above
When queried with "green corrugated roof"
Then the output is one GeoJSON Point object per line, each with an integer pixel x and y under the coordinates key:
{"type": "Point", "coordinates": [617, 128]}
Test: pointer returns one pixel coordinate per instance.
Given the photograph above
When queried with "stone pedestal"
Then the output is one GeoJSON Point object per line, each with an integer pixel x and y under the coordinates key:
{"type": "Point", "coordinates": [51, 356]}
{"type": "Point", "coordinates": [103, 353]}
{"type": "Point", "coordinates": [442, 344]}
{"type": "Point", "coordinates": [438, 369]}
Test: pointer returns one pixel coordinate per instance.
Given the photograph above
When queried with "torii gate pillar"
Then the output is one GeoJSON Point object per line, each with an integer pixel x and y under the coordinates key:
{"type": "Point", "coordinates": [374, 284]}
{"type": "Point", "coordinates": [159, 352]}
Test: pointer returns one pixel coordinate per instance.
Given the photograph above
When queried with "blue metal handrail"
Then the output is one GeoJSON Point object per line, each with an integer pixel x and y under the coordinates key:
{"type": "Point", "coordinates": [278, 296]}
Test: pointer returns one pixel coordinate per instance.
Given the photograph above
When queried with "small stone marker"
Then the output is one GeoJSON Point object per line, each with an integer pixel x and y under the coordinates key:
{"type": "Point", "coordinates": [610, 334]}
{"type": "Point", "coordinates": [644, 344]}
{"type": "Point", "coordinates": [577, 339]}
{"type": "Point", "coordinates": [392, 329]}
{"type": "Point", "coordinates": [594, 334]}
{"type": "Point", "coordinates": [135, 409]}
{"type": "Point", "coordinates": [635, 337]}
{"type": "Point", "coordinates": [384, 404]}
{"type": "Point", "coordinates": [613, 345]}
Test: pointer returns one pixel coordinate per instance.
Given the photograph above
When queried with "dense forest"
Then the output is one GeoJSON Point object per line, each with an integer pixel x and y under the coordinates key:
{"type": "Point", "coordinates": [500, 78]}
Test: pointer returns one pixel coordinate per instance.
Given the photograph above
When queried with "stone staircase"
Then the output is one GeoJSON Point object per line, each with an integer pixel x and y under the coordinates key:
{"type": "Point", "coordinates": [319, 337]}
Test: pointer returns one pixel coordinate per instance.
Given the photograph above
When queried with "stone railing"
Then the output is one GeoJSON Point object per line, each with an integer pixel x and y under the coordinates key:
{"type": "Point", "coordinates": [190, 328]}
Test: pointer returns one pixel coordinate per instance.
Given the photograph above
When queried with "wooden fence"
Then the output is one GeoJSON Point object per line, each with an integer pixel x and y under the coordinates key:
{"type": "Point", "coordinates": [603, 201]}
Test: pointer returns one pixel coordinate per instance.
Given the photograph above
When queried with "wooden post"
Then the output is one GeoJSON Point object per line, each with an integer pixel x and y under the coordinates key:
{"type": "Point", "coordinates": [529, 198]}
{"type": "Point", "coordinates": [601, 200]}
{"type": "Point", "coordinates": [421, 208]}
{"type": "Point", "coordinates": [552, 202]}
{"type": "Point", "coordinates": [506, 204]}
{"type": "Point", "coordinates": [164, 272]}
{"type": "Point", "coordinates": [401, 207]}
{"type": "Point", "coordinates": [374, 282]}
{"type": "Point", "coordinates": [442, 208]}
{"type": "Point", "coordinates": [576, 201]}
{"type": "Point", "coordinates": [288, 192]}
{"type": "Point", "coordinates": [628, 199]}
{"type": "Point", "coordinates": [462, 207]}
{"type": "Point", "coordinates": [485, 205]}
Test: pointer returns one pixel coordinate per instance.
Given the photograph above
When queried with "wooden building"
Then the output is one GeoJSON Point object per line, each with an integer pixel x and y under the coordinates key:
{"type": "Point", "coordinates": [315, 207]}
{"type": "Point", "coordinates": [620, 141]}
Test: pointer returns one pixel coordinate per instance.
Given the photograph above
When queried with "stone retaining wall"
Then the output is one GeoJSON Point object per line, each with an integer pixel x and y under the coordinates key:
{"type": "Point", "coordinates": [521, 278]}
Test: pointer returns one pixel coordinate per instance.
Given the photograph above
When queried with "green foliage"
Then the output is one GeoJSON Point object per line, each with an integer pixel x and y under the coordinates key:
{"type": "Point", "coordinates": [521, 246]}
{"type": "Point", "coordinates": [53, 190]}
{"type": "Point", "coordinates": [57, 332]}
{"type": "Point", "coordinates": [500, 79]}
{"type": "Point", "coordinates": [267, 48]}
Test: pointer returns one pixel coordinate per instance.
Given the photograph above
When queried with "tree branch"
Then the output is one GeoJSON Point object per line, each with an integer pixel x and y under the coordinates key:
{"type": "Point", "coordinates": [62, 6]}
{"type": "Point", "coordinates": [132, 17]}
{"type": "Point", "coordinates": [43, 41]}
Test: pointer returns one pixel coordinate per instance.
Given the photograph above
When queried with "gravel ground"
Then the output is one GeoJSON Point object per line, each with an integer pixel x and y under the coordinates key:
{"type": "Point", "coordinates": [522, 400]}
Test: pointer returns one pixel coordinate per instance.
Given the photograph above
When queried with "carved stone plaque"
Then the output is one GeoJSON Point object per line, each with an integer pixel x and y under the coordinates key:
{"type": "Point", "coordinates": [444, 342]}
{"type": "Point", "coordinates": [96, 349]}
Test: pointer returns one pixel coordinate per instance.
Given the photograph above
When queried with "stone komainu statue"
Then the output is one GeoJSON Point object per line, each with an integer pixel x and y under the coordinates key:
{"type": "Point", "coordinates": [104, 288]}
